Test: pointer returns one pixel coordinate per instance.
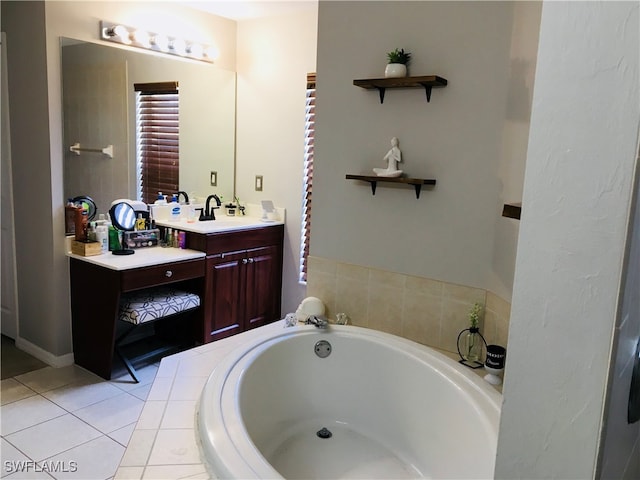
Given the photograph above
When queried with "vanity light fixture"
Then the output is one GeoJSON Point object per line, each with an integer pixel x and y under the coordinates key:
{"type": "Point", "coordinates": [118, 33]}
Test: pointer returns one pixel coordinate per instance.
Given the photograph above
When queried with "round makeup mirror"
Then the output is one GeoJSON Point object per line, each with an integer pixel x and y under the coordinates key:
{"type": "Point", "coordinates": [123, 217]}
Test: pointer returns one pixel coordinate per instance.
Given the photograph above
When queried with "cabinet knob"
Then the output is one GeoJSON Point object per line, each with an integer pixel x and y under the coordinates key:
{"type": "Point", "coordinates": [244, 261]}
{"type": "Point", "coordinates": [251, 260]}
{"type": "Point", "coordinates": [168, 274]}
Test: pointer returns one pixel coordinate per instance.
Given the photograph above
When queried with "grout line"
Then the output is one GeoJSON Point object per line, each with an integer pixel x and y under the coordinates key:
{"type": "Point", "coordinates": [66, 411]}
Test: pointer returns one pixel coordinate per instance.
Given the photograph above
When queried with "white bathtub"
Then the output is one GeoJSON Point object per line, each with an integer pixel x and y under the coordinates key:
{"type": "Point", "coordinates": [396, 409]}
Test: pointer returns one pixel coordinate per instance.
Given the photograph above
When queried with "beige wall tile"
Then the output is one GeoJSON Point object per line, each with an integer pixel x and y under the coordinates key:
{"type": "Point", "coordinates": [424, 310]}
{"type": "Point", "coordinates": [502, 331]}
{"type": "Point", "coordinates": [424, 285]}
{"type": "Point", "coordinates": [461, 293]}
{"type": "Point", "coordinates": [324, 265]}
{"type": "Point", "coordinates": [385, 308]}
{"type": "Point", "coordinates": [490, 328]}
{"type": "Point", "coordinates": [389, 279]}
{"type": "Point", "coordinates": [353, 272]}
{"type": "Point", "coordinates": [501, 307]}
{"type": "Point", "coordinates": [352, 298]}
{"type": "Point", "coordinates": [323, 286]}
{"type": "Point", "coordinates": [421, 318]}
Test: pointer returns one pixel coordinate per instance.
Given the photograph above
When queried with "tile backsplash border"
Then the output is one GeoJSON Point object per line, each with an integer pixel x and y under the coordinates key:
{"type": "Point", "coordinates": [424, 310]}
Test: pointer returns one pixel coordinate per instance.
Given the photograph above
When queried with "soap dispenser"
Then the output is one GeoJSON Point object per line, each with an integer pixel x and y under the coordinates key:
{"type": "Point", "coordinates": [175, 210]}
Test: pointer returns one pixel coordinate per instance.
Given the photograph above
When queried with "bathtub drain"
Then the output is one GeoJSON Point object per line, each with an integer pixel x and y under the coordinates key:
{"type": "Point", "coordinates": [322, 349]}
{"type": "Point", "coordinates": [324, 433]}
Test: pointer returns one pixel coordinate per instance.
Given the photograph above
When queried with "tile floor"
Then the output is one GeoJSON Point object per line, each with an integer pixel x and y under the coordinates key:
{"type": "Point", "coordinates": [67, 423]}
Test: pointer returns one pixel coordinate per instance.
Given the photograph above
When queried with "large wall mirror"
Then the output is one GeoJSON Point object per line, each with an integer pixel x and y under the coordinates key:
{"type": "Point", "coordinates": [99, 108]}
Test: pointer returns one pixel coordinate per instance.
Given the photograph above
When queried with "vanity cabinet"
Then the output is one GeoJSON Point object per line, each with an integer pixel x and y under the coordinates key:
{"type": "Point", "coordinates": [243, 279]}
{"type": "Point", "coordinates": [97, 284]}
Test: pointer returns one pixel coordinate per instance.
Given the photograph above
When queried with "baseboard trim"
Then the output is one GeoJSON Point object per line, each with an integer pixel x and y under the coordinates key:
{"type": "Point", "coordinates": [41, 354]}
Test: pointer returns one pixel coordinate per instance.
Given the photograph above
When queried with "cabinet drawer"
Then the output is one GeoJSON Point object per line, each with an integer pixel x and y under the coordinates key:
{"type": "Point", "coordinates": [162, 274]}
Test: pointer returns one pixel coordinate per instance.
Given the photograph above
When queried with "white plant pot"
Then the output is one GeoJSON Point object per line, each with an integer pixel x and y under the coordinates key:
{"type": "Point", "coordinates": [394, 70]}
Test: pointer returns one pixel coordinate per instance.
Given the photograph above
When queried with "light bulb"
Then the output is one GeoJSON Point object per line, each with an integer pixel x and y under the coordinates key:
{"type": "Point", "coordinates": [119, 31]}
{"type": "Point", "coordinates": [178, 46]}
{"type": "Point", "coordinates": [161, 42]}
{"type": "Point", "coordinates": [141, 37]}
{"type": "Point", "coordinates": [195, 50]}
{"type": "Point", "coordinates": [212, 53]}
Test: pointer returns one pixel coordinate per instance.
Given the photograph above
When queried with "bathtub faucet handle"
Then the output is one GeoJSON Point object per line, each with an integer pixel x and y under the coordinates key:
{"type": "Point", "coordinates": [317, 321]}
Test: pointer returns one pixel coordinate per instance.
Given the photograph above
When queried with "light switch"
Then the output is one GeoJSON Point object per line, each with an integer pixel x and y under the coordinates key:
{"type": "Point", "coordinates": [214, 179]}
{"type": "Point", "coordinates": [258, 183]}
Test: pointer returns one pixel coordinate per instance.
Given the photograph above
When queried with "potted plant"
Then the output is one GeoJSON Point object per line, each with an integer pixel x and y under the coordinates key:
{"type": "Point", "coordinates": [470, 340]}
{"type": "Point", "coordinates": [398, 62]}
{"type": "Point", "coordinates": [474, 315]}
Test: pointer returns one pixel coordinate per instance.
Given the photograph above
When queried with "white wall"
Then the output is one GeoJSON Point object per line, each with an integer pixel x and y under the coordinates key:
{"type": "Point", "coordinates": [274, 56]}
{"type": "Point", "coordinates": [41, 301]}
{"type": "Point", "coordinates": [515, 136]}
{"type": "Point", "coordinates": [577, 195]}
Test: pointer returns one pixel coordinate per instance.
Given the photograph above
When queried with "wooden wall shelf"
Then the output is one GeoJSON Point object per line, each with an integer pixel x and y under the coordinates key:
{"type": "Point", "coordinates": [512, 210]}
{"type": "Point", "coordinates": [381, 84]}
{"type": "Point", "coordinates": [373, 180]}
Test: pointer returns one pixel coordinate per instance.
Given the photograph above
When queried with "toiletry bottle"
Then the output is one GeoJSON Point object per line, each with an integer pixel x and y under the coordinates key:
{"type": "Point", "coordinates": [70, 217]}
{"type": "Point", "coordinates": [182, 239]}
{"type": "Point", "coordinates": [175, 210]}
{"type": "Point", "coordinates": [81, 224]}
{"type": "Point", "coordinates": [161, 199]}
{"type": "Point", "coordinates": [140, 222]}
{"type": "Point", "coordinates": [91, 232]}
{"type": "Point", "coordinates": [114, 239]}
{"type": "Point", "coordinates": [102, 236]}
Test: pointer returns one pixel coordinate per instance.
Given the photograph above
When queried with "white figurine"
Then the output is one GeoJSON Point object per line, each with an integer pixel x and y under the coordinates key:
{"type": "Point", "coordinates": [393, 156]}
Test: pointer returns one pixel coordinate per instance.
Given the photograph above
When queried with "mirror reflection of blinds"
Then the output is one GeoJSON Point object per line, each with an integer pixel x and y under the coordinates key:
{"type": "Point", "coordinates": [309, 134]}
{"type": "Point", "coordinates": [157, 140]}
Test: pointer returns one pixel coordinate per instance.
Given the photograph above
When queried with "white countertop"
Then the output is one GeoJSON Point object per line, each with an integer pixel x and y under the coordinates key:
{"type": "Point", "coordinates": [221, 224]}
{"type": "Point", "coordinates": [143, 257]}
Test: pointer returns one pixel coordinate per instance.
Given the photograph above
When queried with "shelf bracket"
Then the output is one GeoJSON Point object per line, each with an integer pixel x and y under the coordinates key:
{"type": "Point", "coordinates": [381, 91]}
{"type": "Point", "coordinates": [373, 181]}
{"type": "Point", "coordinates": [427, 90]}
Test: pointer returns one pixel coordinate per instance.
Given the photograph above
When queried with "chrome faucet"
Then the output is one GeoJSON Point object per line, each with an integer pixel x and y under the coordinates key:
{"type": "Point", "coordinates": [208, 212]}
{"type": "Point", "coordinates": [317, 321]}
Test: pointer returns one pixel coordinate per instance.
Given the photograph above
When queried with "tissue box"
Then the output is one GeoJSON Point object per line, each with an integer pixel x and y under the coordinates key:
{"type": "Point", "coordinates": [86, 249]}
{"type": "Point", "coordinates": [141, 238]}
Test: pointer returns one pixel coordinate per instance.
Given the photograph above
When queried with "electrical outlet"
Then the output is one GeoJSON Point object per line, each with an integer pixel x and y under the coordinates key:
{"type": "Point", "coordinates": [214, 179]}
{"type": "Point", "coordinates": [258, 183]}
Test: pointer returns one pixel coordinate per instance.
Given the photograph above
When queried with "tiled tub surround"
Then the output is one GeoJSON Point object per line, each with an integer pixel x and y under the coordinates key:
{"type": "Point", "coordinates": [426, 311]}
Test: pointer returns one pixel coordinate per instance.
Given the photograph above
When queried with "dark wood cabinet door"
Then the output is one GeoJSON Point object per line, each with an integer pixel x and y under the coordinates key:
{"type": "Point", "coordinates": [261, 286]}
{"type": "Point", "coordinates": [224, 284]}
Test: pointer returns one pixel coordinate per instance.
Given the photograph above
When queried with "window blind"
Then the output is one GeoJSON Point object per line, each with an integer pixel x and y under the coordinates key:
{"type": "Point", "coordinates": [158, 138]}
{"type": "Point", "coordinates": [309, 133]}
